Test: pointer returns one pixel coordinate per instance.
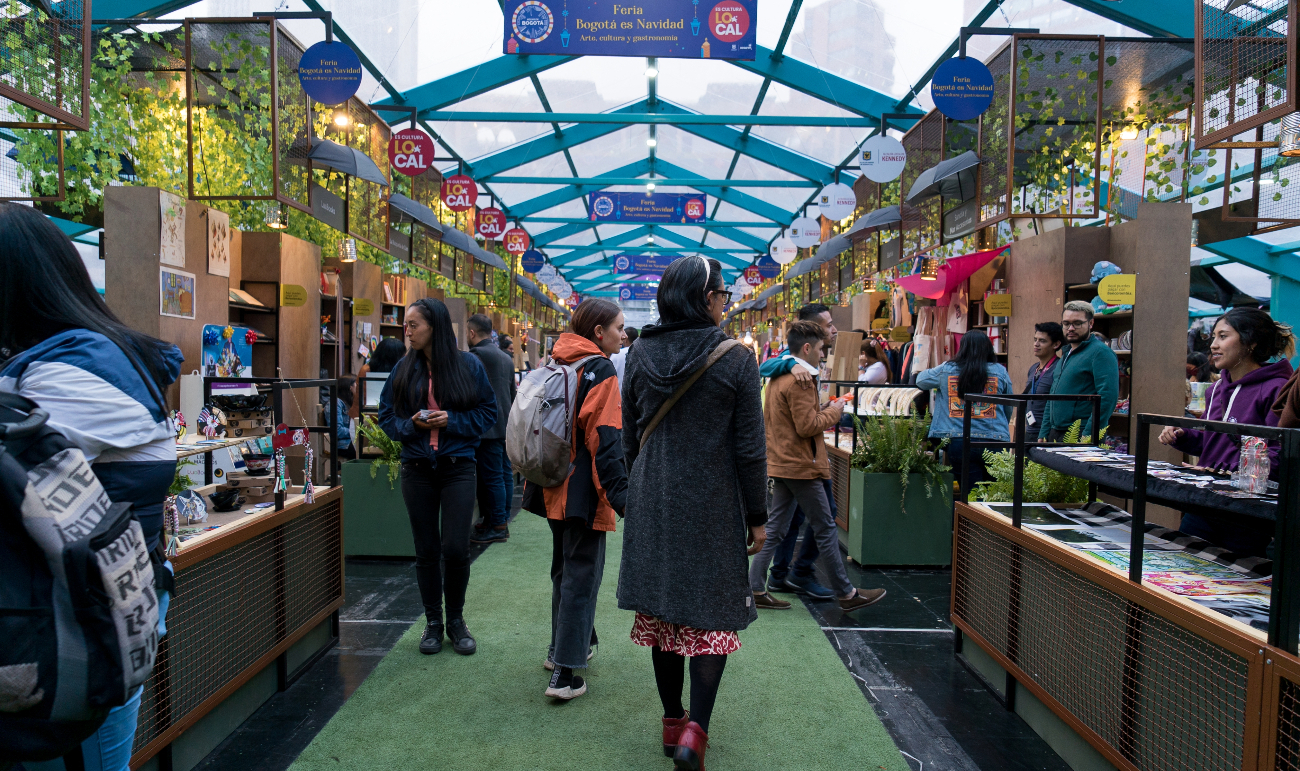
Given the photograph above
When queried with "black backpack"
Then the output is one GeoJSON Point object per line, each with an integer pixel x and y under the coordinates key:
{"type": "Point", "coordinates": [78, 611]}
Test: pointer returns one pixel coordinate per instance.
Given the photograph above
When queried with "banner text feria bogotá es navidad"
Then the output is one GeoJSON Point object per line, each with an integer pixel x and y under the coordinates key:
{"type": "Point", "coordinates": [711, 29]}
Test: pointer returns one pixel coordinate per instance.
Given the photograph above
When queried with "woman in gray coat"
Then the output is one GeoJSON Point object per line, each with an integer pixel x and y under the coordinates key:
{"type": "Point", "coordinates": [697, 497]}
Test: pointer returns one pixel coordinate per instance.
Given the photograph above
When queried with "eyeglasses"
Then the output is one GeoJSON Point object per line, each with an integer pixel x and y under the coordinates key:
{"type": "Point", "coordinates": [1074, 324]}
{"type": "Point", "coordinates": [726, 296]}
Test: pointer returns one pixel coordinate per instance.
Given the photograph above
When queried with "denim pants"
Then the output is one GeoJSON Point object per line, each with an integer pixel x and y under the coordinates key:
{"type": "Point", "coordinates": [495, 484]}
{"type": "Point", "coordinates": [577, 567]}
{"type": "Point", "coordinates": [803, 567]}
{"type": "Point", "coordinates": [810, 495]}
{"type": "Point", "coordinates": [440, 503]}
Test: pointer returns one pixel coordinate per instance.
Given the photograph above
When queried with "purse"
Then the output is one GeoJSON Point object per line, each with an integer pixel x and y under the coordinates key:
{"type": "Point", "coordinates": [723, 347]}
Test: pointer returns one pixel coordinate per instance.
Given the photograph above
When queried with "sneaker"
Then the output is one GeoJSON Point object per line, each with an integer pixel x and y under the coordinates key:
{"type": "Point", "coordinates": [808, 586]}
{"type": "Point", "coordinates": [565, 685]}
{"type": "Point", "coordinates": [861, 598]}
{"type": "Point", "coordinates": [549, 664]}
{"type": "Point", "coordinates": [775, 584]}
{"type": "Point", "coordinates": [431, 642]}
{"type": "Point", "coordinates": [766, 600]}
{"type": "Point", "coordinates": [490, 535]}
{"type": "Point", "coordinates": [461, 640]}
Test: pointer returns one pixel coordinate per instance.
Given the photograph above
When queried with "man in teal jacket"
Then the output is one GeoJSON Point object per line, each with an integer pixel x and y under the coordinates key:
{"type": "Point", "coordinates": [1089, 367]}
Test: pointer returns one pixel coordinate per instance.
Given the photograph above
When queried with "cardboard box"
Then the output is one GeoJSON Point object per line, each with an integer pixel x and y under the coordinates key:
{"type": "Point", "coordinates": [239, 433]}
{"type": "Point", "coordinates": [248, 423]}
{"type": "Point", "coordinates": [243, 479]}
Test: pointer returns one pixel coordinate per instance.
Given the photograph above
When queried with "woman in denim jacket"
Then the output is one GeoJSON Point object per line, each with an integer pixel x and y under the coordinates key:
{"type": "Point", "coordinates": [975, 369]}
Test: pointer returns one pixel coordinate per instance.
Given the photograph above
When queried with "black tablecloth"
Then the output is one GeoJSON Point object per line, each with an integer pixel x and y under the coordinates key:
{"type": "Point", "coordinates": [1160, 491]}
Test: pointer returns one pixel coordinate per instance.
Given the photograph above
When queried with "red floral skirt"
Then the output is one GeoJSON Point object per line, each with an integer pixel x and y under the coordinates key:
{"type": "Point", "coordinates": [682, 640]}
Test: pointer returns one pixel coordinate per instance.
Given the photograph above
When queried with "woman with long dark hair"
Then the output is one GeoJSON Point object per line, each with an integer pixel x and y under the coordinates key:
{"type": "Point", "coordinates": [697, 496]}
{"type": "Point", "coordinates": [437, 403]}
{"type": "Point", "coordinates": [975, 370]}
{"type": "Point", "coordinates": [102, 384]}
{"type": "Point", "coordinates": [580, 510]}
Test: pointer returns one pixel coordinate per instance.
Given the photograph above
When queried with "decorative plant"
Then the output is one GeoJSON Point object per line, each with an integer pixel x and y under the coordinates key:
{"type": "Point", "coordinates": [1041, 484]}
{"type": "Point", "coordinates": [181, 482]}
{"type": "Point", "coordinates": [390, 450]}
{"type": "Point", "coordinates": [897, 445]}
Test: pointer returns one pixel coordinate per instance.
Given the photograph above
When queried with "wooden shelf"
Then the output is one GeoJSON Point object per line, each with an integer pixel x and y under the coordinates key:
{"type": "Point", "coordinates": [1115, 315]}
{"type": "Point", "coordinates": [252, 308]}
{"type": "Point", "coordinates": [1081, 286]}
{"type": "Point", "coordinates": [1122, 353]}
{"type": "Point", "coordinates": [987, 326]}
{"type": "Point", "coordinates": [386, 324]}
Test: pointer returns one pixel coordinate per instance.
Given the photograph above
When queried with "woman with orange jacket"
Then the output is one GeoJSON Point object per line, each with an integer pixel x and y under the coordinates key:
{"type": "Point", "coordinates": [581, 510]}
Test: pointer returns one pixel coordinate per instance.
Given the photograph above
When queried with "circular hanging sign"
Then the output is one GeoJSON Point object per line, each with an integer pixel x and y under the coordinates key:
{"type": "Point", "coordinates": [882, 159]}
{"type": "Point", "coordinates": [767, 267]}
{"type": "Point", "coordinates": [694, 209]}
{"type": "Point", "coordinates": [532, 261]}
{"type": "Point", "coordinates": [837, 201]}
{"type": "Point", "coordinates": [491, 223]}
{"type": "Point", "coordinates": [805, 232]}
{"type": "Point", "coordinates": [625, 293]}
{"type": "Point", "coordinates": [729, 21]}
{"type": "Point", "coordinates": [516, 240]}
{"type": "Point", "coordinates": [532, 21]}
{"type": "Point", "coordinates": [741, 287]}
{"type": "Point", "coordinates": [783, 251]}
{"type": "Point", "coordinates": [410, 151]}
{"type": "Point", "coordinates": [558, 286]}
{"type": "Point", "coordinates": [459, 192]}
{"type": "Point", "coordinates": [602, 206]}
{"type": "Point", "coordinates": [753, 276]}
{"type": "Point", "coordinates": [546, 273]}
{"type": "Point", "coordinates": [622, 263]}
{"type": "Point", "coordinates": [330, 73]}
{"type": "Point", "coordinates": [575, 300]}
{"type": "Point", "coordinates": [962, 89]}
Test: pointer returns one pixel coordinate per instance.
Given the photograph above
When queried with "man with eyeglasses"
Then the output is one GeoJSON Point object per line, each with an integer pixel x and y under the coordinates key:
{"type": "Point", "coordinates": [1088, 367]}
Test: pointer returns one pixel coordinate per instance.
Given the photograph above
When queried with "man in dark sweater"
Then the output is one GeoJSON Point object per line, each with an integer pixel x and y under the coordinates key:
{"type": "Point", "coordinates": [1048, 340]}
{"type": "Point", "coordinates": [1089, 367]}
{"type": "Point", "coordinates": [495, 480]}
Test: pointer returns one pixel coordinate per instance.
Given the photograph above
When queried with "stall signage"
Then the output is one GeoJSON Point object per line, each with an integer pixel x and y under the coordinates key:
{"type": "Point", "coordinates": [638, 292]}
{"type": "Point", "coordinates": [1118, 289]}
{"type": "Point", "coordinates": [900, 335]}
{"type": "Point", "coordinates": [649, 207]}
{"type": "Point", "coordinates": [328, 208]}
{"type": "Point", "coordinates": [459, 192]}
{"type": "Point", "coordinates": [805, 231]}
{"type": "Point", "coordinates": [767, 267]}
{"type": "Point", "coordinates": [399, 245]}
{"type": "Point", "coordinates": [491, 223]}
{"type": "Point", "coordinates": [961, 221]}
{"type": "Point", "coordinates": [837, 201]}
{"type": "Point", "coordinates": [882, 158]}
{"type": "Point", "coordinates": [891, 253]}
{"type": "Point", "coordinates": [363, 307]}
{"type": "Point", "coordinates": [644, 263]}
{"type": "Point", "coordinates": [962, 89]}
{"type": "Point", "coordinates": [575, 299]}
{"type": "Point", "coordinates": [681, 29]}
{"type": "Point", "coordinates": [783, 251]}
{"type": "Point", "coordinates": [532, 261]}
{"type": "Point", "coordinates": [292, 296]}
{"type": "Point", "coordinates": [546, 273]}
{"type": "Point", "coordinates": [998, 305]}
{"type": "Point", "coordinates": [880, 324]}
{"type": "Point", "coordinates": [741, 287]}
{"type": "Point", "coordinates": [516, 240]}
{"type": "Point", "coordinates": [330, 73]}
{"type": "Point", "coordinates": [753, 276]}
{"type": "Point", "coordinates": [410, 151]}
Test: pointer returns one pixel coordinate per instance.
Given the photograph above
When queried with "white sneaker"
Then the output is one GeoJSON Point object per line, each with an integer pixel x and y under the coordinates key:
{"type": "Point", "coordinates": [571, 691]}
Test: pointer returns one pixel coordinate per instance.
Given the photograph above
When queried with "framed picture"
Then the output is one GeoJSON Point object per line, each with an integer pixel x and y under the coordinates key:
{"type": "Point", "coordinates": [175, 293]}
{"type": "Point", "coordinates": [171, 246]}
{"type": "Point", "coordinates": [218, 243]}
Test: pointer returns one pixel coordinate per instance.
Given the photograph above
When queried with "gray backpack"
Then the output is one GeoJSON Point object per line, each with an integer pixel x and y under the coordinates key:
{"type": "Point", "coordinates": [539, 433]}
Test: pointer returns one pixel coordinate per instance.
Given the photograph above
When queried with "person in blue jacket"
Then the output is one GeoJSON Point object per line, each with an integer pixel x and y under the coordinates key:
{"type": "Point", "coordinates": [975, 369]}
{"type": "Point", "coordinates": [437, 403]}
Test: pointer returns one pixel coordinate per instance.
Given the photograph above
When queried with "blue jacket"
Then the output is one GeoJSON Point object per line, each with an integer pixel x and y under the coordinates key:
{"type": "Point", "coordinates": [988, 421]}
{"type": "Point", "coordinates": [776, 366]}
{"type": "Point", "coordinates": [460, 437]}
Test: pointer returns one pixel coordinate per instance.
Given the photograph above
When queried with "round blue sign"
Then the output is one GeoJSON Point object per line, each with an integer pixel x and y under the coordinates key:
{"type": "Point", "coordinates": [531, 261]}
{"type": "Point", "coordinates": [603, 206]}
{"type": "Point", "coordinates": [767, 267]}
{"type": "Point", "coordinates": [330, 73]}
{"type": "Point", "coordinates": [622, 263]}
{"type": "Point", "coordinates": [962, 89]}
{"type": "Point", "coordinates": [625, 294]}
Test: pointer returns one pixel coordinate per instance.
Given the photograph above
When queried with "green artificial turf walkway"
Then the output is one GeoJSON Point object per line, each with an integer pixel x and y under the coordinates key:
{"type": "Point", "coordinates": [786, 700]}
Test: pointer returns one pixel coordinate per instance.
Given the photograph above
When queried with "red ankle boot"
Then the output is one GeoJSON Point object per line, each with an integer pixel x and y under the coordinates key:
{"type": "Point", "coordinates": [673, 728]}
{"type": "Point", "coordinates": [690, 748]}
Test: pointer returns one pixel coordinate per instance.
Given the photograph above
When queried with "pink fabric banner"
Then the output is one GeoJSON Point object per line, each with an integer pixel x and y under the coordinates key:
{"type": "Point", "coordinates": [951, 274]}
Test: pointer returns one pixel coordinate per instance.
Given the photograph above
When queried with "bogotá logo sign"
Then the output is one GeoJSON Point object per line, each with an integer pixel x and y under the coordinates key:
{"type": "Point", "coordinates": [603, 206]}
{"type": "Point", "coordinates": [532, 22]}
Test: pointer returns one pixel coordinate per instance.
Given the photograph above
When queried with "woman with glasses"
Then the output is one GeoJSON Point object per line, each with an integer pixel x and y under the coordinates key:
{"type": "Point", "coordinates": [697, 497]}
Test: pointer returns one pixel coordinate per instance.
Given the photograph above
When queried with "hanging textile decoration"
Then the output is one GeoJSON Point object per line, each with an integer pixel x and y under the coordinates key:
{"type": "Point", "coordinates": [308, 489]}
{"type": "Point", "coordinates": [208, 422]}
{"type": "Point", "coordinates": [171, 525]}
{"type": "Point", "coordinates": [281, 473]}
{"type": "Point", "coordinates": [178, 424]}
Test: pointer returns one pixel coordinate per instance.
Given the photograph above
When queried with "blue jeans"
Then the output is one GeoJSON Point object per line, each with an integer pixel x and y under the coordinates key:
{"type": "Point", "coordinates": [495, 484]}
{"type": "Point", "coordinates": [803, 567]}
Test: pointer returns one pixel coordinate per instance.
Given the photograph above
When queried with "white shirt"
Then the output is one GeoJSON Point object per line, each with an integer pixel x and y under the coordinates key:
{"type": "Point", "coordinates": [875, 374]}
{"type": "Point", "coordinates": [619, 360]}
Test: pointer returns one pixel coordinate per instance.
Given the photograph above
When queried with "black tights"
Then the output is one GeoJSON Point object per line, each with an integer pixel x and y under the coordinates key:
{"type": "Point", "coordinates": [670, 676]}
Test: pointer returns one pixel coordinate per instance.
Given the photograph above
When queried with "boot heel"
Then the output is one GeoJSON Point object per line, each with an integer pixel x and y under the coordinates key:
{"type": "Point", "coordinates": [686, 759]}
{"type": "Point", "coordinates": [669, 749]}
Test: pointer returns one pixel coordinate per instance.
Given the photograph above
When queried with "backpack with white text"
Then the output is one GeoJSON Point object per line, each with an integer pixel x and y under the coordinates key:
{"type": "Point", "coordinates": [539, 433]}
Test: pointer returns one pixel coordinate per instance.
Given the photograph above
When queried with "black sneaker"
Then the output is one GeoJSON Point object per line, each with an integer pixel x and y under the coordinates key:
{"type": "Point", "coordinates": [808, 586]}
{"type": "Point", "coordinates": [490, 535]}
{"type": "Point", "coordinates": [431, 642]}
{"type": "Point", "coordinates": [775, 584]}
{"type": "Point", "coordinates": [461, 640]}
{"type": "Point", "coordinates": [565, 685]}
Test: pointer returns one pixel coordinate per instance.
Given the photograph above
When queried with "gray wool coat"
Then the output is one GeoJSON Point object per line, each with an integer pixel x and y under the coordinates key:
{"type": "Point", "coordinates": [698, 484]}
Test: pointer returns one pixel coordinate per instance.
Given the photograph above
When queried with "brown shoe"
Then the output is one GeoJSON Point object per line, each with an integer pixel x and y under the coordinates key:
{"type": "Point", "coordinates": [766, 600]}
{"type": "Point", "coordinates": [861, 598]}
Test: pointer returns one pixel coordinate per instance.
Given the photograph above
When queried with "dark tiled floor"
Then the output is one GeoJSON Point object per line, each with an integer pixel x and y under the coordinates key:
{"type": "Point", "coordinates": [899, 652]}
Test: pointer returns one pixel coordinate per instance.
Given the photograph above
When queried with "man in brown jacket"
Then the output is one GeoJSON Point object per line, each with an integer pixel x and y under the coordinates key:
{"type": "Point", "coordinates": [797, 464]}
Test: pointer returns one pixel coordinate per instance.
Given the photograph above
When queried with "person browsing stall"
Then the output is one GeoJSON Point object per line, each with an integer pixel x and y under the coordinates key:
{"type": "Point", "coordinates": [872, 366]}
{"type": "Point", "coordinates": [1088, 366]}
{"type": "Point", "coordinates": [496, 485]}
{"type": "Point", "coordinates": [975, 370]}
{"type": "Point", "coordinates": [1048, 339]}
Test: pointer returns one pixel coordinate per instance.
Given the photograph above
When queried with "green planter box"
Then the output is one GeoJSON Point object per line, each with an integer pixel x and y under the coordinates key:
{"type": "Point", "coordinates": [374, 516]}
{"type": "Point", "coordinates": [880, 534]}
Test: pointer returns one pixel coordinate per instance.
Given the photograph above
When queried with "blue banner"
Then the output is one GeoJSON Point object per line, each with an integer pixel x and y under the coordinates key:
{"type": "Point", "coordinates": [682, 29]}
{"type": "Point", "coordinates": [532, 261]}
{"type": "Point", "coordinates": [638, 292]}
{"type": "Point", "coordinates": [654, 264]}
{"type": "Point", "coordinates": [649, 207]}
{"type": "Point", "coordinates": [767, 267]}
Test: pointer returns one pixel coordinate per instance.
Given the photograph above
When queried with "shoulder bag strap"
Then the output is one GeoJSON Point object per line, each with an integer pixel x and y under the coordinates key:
{"type": "Point", "coordinates": [723, 347]}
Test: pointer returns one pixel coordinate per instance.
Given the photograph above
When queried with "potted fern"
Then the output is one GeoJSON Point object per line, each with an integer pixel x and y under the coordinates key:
{"type": "Point", "coordinates": [375, 523]}
{"type": "Point", "coordinates": [900, 495]}
{"type": "Point", "coordinates": [1041, 484]}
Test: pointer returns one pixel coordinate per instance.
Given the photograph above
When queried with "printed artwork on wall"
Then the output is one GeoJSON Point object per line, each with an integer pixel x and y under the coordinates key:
{"type": "Point", "coordinates": [171, 248]}
{"type": "Point", "coordinates": [175, 293]}
{"type": "Point", "coordinates": [218, 243]}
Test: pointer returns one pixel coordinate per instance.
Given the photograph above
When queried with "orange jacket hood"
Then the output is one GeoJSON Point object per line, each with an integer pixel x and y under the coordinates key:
{"type": "Point", "coordinates": [570, 347]}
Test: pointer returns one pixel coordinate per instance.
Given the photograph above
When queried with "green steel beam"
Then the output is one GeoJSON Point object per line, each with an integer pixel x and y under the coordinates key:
{"type": "Point", "coordinates": [701, 182]}
{"type": "Point", "coordinates": [744, 201]}
{"type": "Point", "coordinates": [370, 66]}
{"type": "Point", "coordinates": [460, 116]}
{"type": "Point", "coordinates": [622, 238]}
{"type": "Point", "coordinates": [976, 21]}
{"type": "Point", "coordinates": [542, 146]}
{"type": "Point", "coordinates": [130, 9]}
{"type": "Point", "coordinates": [1157, 18]}
{"type": "Point", "coordinates": [565, 194]}
{"type": "Point", "coordinates": [650, 249]}
{"type": "Point", "coordinates": [707, 225]}
{"type": "Point", "coordinates": [479, 79]}
{"type": "Point", "coordinates": [820, 84]}
{"type": "Point", "coordinates": [1282, 267]}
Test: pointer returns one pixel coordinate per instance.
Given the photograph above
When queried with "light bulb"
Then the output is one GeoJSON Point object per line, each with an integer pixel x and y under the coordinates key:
{"type": "Point", "coordinates": [650, 239]}
{"type": "Point", "coordinates": [649, 187]}
{"type": "Point", "coordinates": [651, 142]}
{"type": "Point", "coordinates": [348, 250]}
{"type": "Point", "coordinates": [650, 72]}
{"type": "Point", "coordinates": [341, 119]}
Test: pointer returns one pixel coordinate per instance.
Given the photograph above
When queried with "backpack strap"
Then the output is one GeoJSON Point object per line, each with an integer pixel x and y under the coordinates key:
{"type": "Point", "coordinates": [723, 347]}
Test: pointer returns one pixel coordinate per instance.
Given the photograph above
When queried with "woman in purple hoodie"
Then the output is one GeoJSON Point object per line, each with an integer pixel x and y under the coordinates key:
{"type": "Point", "coordinates": [1244, 341]}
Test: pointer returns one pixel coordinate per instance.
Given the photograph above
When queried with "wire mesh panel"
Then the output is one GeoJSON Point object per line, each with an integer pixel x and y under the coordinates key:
{"type": "Point", "coordinates": [1248, 63]}
{"type": "Point", "coordinates": [46, 63]}
{"type": "Point", "coordinates": [293, 130]}
{"type": "Point", "coordinates": [368, 201]}
{"type": "Point", "coordinates": [922, 221]}
{"type": "Point", "coordinates": [960, 213]}
{"type": "Point", "coordinates": [31, 165]}
{"type": "Point", "coordinates": [1056, 120]}
{"type": "Point", "coordinates": [1149, 690]}
{"type": "Point", "coordinates": [994, 138]}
